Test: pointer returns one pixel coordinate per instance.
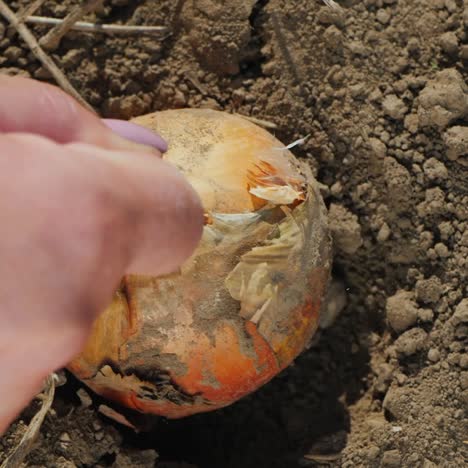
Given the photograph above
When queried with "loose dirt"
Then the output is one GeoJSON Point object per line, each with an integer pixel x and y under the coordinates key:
{"type": "Point", "coordinates": [381, 89]}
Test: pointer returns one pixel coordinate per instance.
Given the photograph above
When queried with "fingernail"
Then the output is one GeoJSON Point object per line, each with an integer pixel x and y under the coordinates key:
{"type": "Point", "coordinates": [136, 133]}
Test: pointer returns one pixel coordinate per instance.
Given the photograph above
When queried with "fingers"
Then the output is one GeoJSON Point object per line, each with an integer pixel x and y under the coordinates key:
{"type": "Point", "coordinates": [98, 213]}
{"type": "Point", "coordinates": [75, 219]}
{"type": "Point", "coordinates": [142, 204]}
{"type": "Point", "coordinates": [45, 110]}
{"type": "Point", "coordinates": [165, 215]}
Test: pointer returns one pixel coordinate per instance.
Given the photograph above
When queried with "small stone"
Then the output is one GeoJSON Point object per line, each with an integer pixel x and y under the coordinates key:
{"type": "Point", "coordinates": [42, 74]}
{"type": "Point", "coordinates": [411, 342]}
{"type": "Point", "coordinates": [383, 16]}
{"type": "Point", "coordinates": [401, 311]}
{"type": "Point", "coordinates": [84, 397]}
{"type": "Point", "coordinates": [384, 233]}
{"type": "Point", "coordinates": [394, 107]}
{"type": "Point", "coordinates": [65, 437]}
{"type": "Point", "coordinates": [433, 355]}
{"type": "Point", "coordinates": [428, 290]}
{"type": "Point", "coordinates": [391, 459]}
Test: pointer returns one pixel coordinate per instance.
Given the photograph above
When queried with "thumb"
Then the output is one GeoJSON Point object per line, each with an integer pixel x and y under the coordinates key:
{"type": "Point", "coordinates": [162, 215]}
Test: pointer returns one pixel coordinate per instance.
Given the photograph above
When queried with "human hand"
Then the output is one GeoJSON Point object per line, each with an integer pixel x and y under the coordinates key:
{"type": "Point", "coordinates": [79, 208]}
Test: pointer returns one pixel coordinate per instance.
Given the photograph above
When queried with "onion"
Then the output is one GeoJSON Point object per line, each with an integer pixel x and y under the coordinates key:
{"type": "Point", "coordinates": [245, 304]}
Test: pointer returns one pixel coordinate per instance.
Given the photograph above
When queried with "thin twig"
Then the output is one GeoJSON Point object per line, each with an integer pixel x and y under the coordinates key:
{"type": "Point", "coordinates": [20, 452]}
{"type": "Point", "coordinates": [99, 28]}
{"type": "Point", "coordinates": [29, 10]}
{"type": "Point", "coordinates": [332, 4]}
{"type": "Point", "coordinates": [36, 49]}
{"type": "Point", "coordinates": [261, 122]}
{"type": "Point", "coordinates": [322, 458]}
{"type": "Point", "coordinates": [52, 39]}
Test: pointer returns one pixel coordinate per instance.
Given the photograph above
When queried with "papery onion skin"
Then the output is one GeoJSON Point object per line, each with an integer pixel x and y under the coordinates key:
{"type": "Point", "coordinates": [245, 304]}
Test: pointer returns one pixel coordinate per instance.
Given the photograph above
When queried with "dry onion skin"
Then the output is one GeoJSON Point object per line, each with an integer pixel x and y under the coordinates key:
{"type": "Point", "coordinates": [245, 304]}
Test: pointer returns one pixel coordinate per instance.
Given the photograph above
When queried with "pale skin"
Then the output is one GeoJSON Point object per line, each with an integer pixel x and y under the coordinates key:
{"type": "Point", "coordinates": [80, 207]}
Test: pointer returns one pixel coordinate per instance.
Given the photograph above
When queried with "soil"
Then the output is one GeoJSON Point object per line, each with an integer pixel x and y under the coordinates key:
{"type": "Point", "coordinates": [380, 88]}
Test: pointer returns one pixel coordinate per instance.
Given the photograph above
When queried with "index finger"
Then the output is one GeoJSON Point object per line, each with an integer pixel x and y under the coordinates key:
{"type": "Point", "coordinates": [29, 106]}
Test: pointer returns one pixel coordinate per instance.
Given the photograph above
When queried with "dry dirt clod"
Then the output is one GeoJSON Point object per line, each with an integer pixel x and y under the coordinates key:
{"type": "Point", "coordinates": [394, 107]}
{"type": "Point", "coordinates": [345, 229]}
{"type": "Point", "coordinates": [456, 140]}
{"type": "Point", "coordinates": [402, 311]}
{"type": "Point", "coordinates": [443, 100]}
{"type": "Point", "coordinates": [411, 342]}
{"type": "Point", "coordinates": [461, 313]}
{"type": "Point", "coordinates": [428, 291]}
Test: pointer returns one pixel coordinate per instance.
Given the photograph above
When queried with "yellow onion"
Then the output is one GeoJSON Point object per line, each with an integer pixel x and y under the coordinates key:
{"type": "Point", "coordinates": [245, 304]}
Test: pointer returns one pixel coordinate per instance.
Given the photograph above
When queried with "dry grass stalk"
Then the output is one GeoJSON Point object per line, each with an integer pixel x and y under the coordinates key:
{"type": "Point", "coordinates": [15, 459]}
{"type": "Point", "coordinates": [52, 39]}
{"type": "Point", "coordinates": [29, 9]}
{"type": "Point", "coordinates": [40, 54]}
{"type": "Point", "coordinates": [98, 28]}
